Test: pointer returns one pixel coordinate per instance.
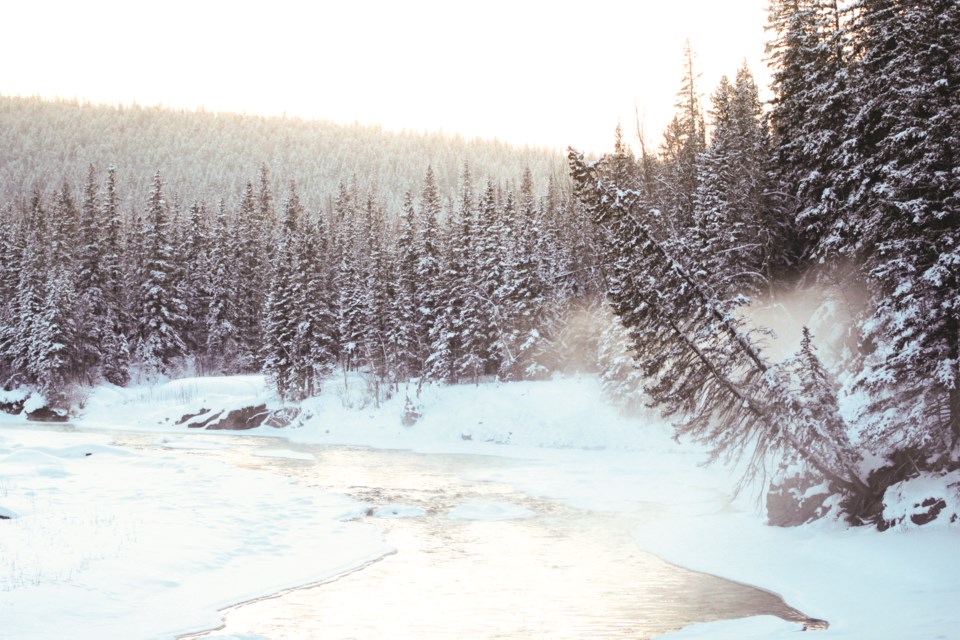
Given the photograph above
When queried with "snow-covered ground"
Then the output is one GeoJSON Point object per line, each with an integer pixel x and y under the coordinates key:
{"type": "Point", "coordinates": [120, 539]}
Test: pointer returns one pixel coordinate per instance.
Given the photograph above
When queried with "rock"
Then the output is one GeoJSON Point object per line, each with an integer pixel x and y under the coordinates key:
{"type": "Point", "coordinates": [12, 401]}
{"type": "Point", "coordinates": [914, 489]}
{"type": "Point", "coordinates": [46, 414]}
{"type": "Point", "coordinates": [933, 508]}
{"type": "Point", "coordinates": [239, 419]}
{"type": "Point", "coordinates": [796, 500]}
{"type": "Point", "coordinates": [12, 407]}
{"type": "Point", "coordinates": [282, 417]}
{"type": "Point", "coordinates": [199, 424]}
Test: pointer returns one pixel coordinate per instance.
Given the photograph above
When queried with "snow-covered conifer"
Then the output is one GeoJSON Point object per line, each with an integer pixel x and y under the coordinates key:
{"type": "Point", "coordinates": [160, 323]}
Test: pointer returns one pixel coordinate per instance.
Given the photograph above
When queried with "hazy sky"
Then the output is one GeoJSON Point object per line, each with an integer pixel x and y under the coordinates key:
{"type": "Point", "coordinates": [538, 73]}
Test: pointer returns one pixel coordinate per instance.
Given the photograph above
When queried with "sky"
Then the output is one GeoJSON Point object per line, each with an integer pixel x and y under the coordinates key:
{"type": "Point", "coordinates": [551, 74]}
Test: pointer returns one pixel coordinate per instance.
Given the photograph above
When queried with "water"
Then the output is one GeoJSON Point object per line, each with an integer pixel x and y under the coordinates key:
{"type": "Point", "coordinates": [563, 573]}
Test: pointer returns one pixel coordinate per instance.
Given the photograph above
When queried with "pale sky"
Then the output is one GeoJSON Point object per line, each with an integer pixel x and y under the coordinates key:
{"type": "Point", "coordinates": [529, 73]}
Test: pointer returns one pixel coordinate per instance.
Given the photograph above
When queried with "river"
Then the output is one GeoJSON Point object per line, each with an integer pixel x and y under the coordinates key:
{"type": "Point", "coordinates": [544, 570]}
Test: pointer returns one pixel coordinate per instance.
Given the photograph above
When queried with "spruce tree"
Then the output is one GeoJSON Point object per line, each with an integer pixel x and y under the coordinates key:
{"type": "Point", "coordinates": [811, 101]}
{"type": "Point", "coordinates": [408, 334]}
{"type": "Point", "coordinates": [315, 341]}
{"type": "Point", "coordinates": [160, 344]}
{"type": "Point", "coordinates": [524, 292]}
{"type": "Point", "coordinates": [479, 322]}
{"type": "Point", "coordinates": [246, 252]}
{"type": "Point", "coordinates": [92, 322]}
{"type": "Point", "coordinates": [446, 336]}
{"type": "Point", "coordinates": [684, 141]}
{"type": "Point", "coordinates": [222, 323]}
{"type": "Point", "coordinates": [902, 219]}
{"type": "Point", "coordinates": [739, 242]}
{"type": "Point", "coordinates": [429, 267]}
{"type": "Point", "coordinates": [115, 349]}
{"type": "Point", "coordinates": [193, 286]}
{"type": "Point", "coordinates": [703, 368]}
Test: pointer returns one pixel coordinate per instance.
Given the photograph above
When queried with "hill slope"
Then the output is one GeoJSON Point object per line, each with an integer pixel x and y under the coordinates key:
{"type": "Point", "coordinates": [206, 155]}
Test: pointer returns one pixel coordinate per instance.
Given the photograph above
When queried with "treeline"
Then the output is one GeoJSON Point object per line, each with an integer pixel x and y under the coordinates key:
{"type": "Point", "coordinates": [850, 183]}
{"type": "Point", "coordinates": [208, 156]}
{"type": "Point", "coordinates": [451, 291]}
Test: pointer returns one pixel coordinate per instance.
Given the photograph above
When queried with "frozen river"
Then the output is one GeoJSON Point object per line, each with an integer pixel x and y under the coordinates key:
{"type": "Point", "coordinates": [474, 558]}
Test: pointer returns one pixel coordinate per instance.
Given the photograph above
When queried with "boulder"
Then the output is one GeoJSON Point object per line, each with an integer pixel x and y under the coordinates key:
{"type": "Point", "coordinates": [46, 414]}
{"type": "Point", "coordinates": [12, 407]}
{"type": "Point", "coordinates": [205, 419]}
{"type": "Point", "coordinates": [240, 419]}
{"type": "Point", "coordinates": [283, 417]}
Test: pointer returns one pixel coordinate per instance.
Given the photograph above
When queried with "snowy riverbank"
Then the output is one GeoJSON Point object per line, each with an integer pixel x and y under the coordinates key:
{"type": "Point", "coordinates": [100, 534]}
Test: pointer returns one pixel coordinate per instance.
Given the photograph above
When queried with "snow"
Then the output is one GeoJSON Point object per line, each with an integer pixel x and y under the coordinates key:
{"type": "Point", "coordinates": [284, 454]}
{"type": "Point", "coordinates": [159, 407]}
{"type": "Point", "coordinates": [192, 535]}
{"type": "Point", "coordinates": [14, 395]}
{"type": "Point", "coordinates": [907, 498]}
{"type": "Point", "coordinates": [130, 538]}
{"type": "Point", "coordinates": [34, 401]}
{"type": "Point", "coordinates": [191, 444]}
{"type": "Point", "coordinates": [398, 511]}
{"type": "Point", "coordinates": [490, 511]}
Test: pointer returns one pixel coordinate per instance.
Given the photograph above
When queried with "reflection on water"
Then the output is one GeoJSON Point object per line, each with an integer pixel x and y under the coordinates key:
{"type": "Point", "coordinates": [561, 574]}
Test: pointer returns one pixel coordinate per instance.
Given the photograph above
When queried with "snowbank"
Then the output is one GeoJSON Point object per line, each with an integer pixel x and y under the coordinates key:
{"type": "Point", "coordinates": [162, 406]}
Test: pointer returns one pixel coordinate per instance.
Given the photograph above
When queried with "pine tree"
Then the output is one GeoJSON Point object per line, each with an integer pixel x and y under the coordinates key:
{"type": "Point", "coordinates": [349, 283]}
{"type": "Point", "coordinates": [160, 324]}
{"type": "Point", "coordinates": [193, 286]}
{"type": "Point", "coordinates": [91, 315]}
{"type": "Point", "coordinates": [221, 319]}
{"type": "Point", "coordinates": [524, 291]}
{"type": "Point", "coordinates": [379, 350]}
{"type": "Point", "coordinates": [11, 257]}
{"type": "Point", "coordinates": [480, 321]}
{"type": "Point", "coordinates": [115, 349]}
{"type": "Point", "coordinates": [429, 268]}
{"type": "Point", "coordinates": [55, 337]}
{"type": "Point", "coordinates": [902, 219]}
{"type": "Point", "coordinates": [740, 245]}
{"type": "Point", "coordinates": [27, 306]}
{"type": "Point", "coordinates": [315, 342]}
{"type": "Point", "coordinates": [684, 141]}
{"type": "Point", "coordinates": [811, 101]}
{"type": "Point", "coordinates": [702, 366]}
{"type": "Point", "coordinates": [408, 336]}
{"type": "Point", "coordinates": [247, 254]}
{"type": "Point", "coordinates": [446, 336]}
{"type": "Point", "coordinates": [281, 316]}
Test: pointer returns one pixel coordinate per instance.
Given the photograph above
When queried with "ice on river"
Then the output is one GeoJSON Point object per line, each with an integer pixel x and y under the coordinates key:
{"type": "Point", "coordinates": [113, 543]}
